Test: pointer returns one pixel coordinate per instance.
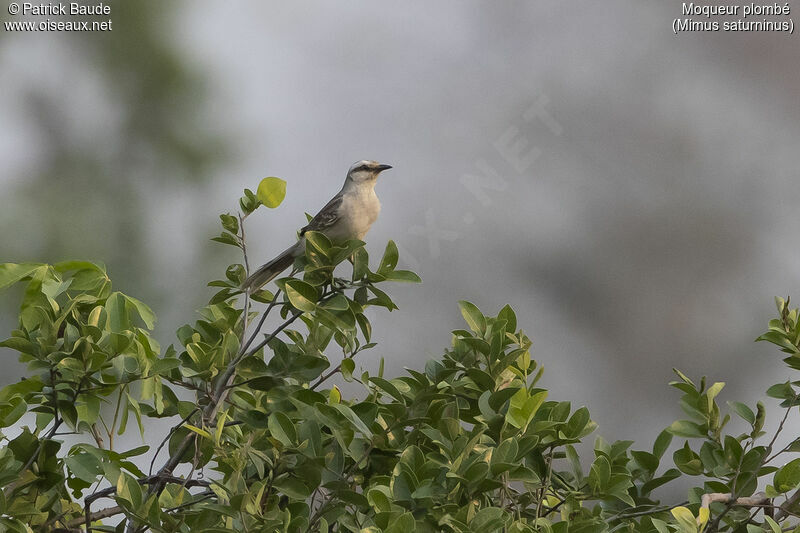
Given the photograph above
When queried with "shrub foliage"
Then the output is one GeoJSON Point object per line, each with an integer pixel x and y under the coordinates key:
{"type": "Point", "coordinates": [259, 438]}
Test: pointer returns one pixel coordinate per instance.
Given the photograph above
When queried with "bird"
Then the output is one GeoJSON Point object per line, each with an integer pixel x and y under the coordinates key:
{"type": "Point", "coordinates": [348, 215]}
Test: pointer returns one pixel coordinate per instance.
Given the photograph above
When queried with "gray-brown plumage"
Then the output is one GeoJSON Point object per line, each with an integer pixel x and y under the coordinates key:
{"type": "Point", "coordinates": [348, 215]}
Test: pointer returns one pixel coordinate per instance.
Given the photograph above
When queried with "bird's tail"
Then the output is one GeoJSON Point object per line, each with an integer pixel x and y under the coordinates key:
{"type": "Point", "coordinates": [270, 270]}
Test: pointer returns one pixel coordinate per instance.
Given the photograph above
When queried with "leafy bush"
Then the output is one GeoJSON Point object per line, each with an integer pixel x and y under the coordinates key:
{"type": "Point", "coordinates": [263, 441]}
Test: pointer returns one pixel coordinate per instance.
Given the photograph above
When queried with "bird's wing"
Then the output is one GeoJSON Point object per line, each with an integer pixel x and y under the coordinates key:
{"type": "Point", "coordinates": [326, 217]}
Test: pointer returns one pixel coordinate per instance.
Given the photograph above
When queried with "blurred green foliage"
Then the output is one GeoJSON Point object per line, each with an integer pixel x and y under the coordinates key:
{"type": "Point", "coordinates": [87, 198]}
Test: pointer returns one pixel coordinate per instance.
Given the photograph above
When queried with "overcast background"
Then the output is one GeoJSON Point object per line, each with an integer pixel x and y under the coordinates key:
{"type": "Point", "coordinates": [637, 206]}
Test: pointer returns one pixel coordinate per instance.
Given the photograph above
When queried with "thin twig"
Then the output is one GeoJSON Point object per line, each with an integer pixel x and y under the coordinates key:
{"type": "Point", "coordinates": [246, 313]}
{"type": "Point", "coordinates": [546, 484]}
{"type": "Point", "coordinates": [151, 480]}
{"type": "Point", "coordinates": [732, 497]}
{"type": "Point", "coordinates": [112, 511]}
{"type": "Point", "coordinates": [203, 496]}
{"type": "Point", "coordinates": [655, 509]}
{"type": "Point", "coordinates": [780, 427]}
{"type": "Point", "coordinates": [56, 423]}
{"type": "Point", "coordinates": [116, 415]}
{"type": "Point", "coordinates": [261, 321]}
{"type": "Point", "coordinates": [324, 378]}
{"type": "Point", "coordinates": [169, 436]}
{"type": "Point", "coordinates": [783, 510]}
{"type": "Point", "coordinates": [315, 517]}
{"type": "Point", "coordinates": [97, 515]}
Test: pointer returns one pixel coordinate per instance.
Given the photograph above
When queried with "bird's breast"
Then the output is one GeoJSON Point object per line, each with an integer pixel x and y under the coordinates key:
{"type": "Point", "coordinates": [359, 211]}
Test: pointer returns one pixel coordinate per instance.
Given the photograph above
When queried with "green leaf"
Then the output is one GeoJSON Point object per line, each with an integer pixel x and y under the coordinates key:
{"type": "Point", "coordinates": [18, 344]}
{"type": "Point", "coordinates": [600, 474]}
{"type": "Point", "coordinates": [139, 450]}
{"type": "Point", "coordinates": [84, 466]}
{"type": "Point", "coordinates": [230, 223]}
{"type": "Point", "coordinates": [687, 428]}
{"type": "Point", "coordinates": [405, 523]}
{"type": "Point", "coordinates": [507, 314]}
{"type": "Point", "coordinates": [334, 395]}
{"type": "Point", "coordinates": [145, 313]}
{"type": "Point", "coordinates": [201, 432]}
{"type": "Point", "coordinates": [227, 238]}
{"type": "Point", "coordinates": [488, 519]}
{"type": "Point", "coordinates": [388, 387]}
{"type": "Point", "coordinates": [662, 443]}
{"type": "Point", "coordinates": [660, 525]}
{"type": "Point", "coordinates": [66, 266]}
{"type": "Point", "coordinates": [353, 418]}
{"type": "Point", "coordinates": [12, 411]}
{"type": "Point", "coordinates": [254, 418]}
{"type": "Point", "coordinates": [348, 366]}
{"type": "Point", "coordinates": [686, 520]}
{"type": "Point", "coordinates": [687, 461]}
{"type": "Point", "coordinates": [236, 274]}
{"type": "Point", "coordinates": [301, 295]}
{"type": "Point", "coordinates": [364, 324]}
{"type": "Point", "coordinates": [360, 264]}
{"type": "Point", "coordinates": [163, 366]}
{"type": "Point", "coordinates": [53, 288]}
{"type": "Point", "coordinates": [712, 393]}
{"type": "Point", "coordinates": [271, 192]}
{"type": "Point", "coordinates": [683, 377]}
{"type": "Point", "coordinates": [389, 259]}
{"type": "Point", "coordinates": [504, 457]}
{"type": "Point", "coordinates": [293, 488]}
{"type": "Point", "coordinates": [319, 242]}
{"type": "Point", "coordinates": [11, 273]}
{"type": "Point", "coordinates": [381, 298]}
{"type": "Point", "coordinates": [779, 339]}
{"type": "Point", "coordinates": [282, 428]}
{"type": "Point", "coordinates": [88, 408]}
{"type": "Point", "coordinates": [654, 483]}
{"type": "Point", "coordinates": [782, 391]}
{"type": "Point", "coordinates": [743, 411]}
{"type": "Point", "coordinates": [787, 477]}
{"type": "Point", "coordinates": [773, 525]}
{"type": "Point", "coordinates": [761, 414]}
{"type": "Point", "coordinates": [523, 407]}
{"type": "Point", "coordinates": [648, 461]}
{"type": "Point", "coordinates": [473, 317]}
{"type": "Point", "coordinates": [249, 202]}
{"type": "Point", "coordinates": [379, 499]}
{"type": "Point", "coordinates": [337, 303]}
{"type": "Point", "coordinates": [403, 276]}
{"type": "Point", "coordinates": [577, 422]}
{"type": "Point", "coordinates": [117, 308]}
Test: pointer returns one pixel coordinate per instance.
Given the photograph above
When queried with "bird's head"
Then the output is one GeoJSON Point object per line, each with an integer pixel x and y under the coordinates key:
{"type": "Point", "coordinates": [365, 171]}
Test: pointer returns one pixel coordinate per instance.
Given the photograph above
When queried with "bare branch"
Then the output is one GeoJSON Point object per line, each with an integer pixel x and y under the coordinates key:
{"type": "Point", "coordinates": [261, 321]}
{"type": "Point", "coordinates": [169, 436]}
{"type": "Point", "coordinates": [756, 499]}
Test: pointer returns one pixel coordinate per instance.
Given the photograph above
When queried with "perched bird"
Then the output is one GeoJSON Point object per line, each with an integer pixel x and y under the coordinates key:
{"type": "Point", "coordinates": [348, 215]}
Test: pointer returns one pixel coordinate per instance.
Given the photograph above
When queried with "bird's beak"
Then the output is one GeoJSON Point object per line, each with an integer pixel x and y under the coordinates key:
{"type": "Point", "coordinates": [381, 168]}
